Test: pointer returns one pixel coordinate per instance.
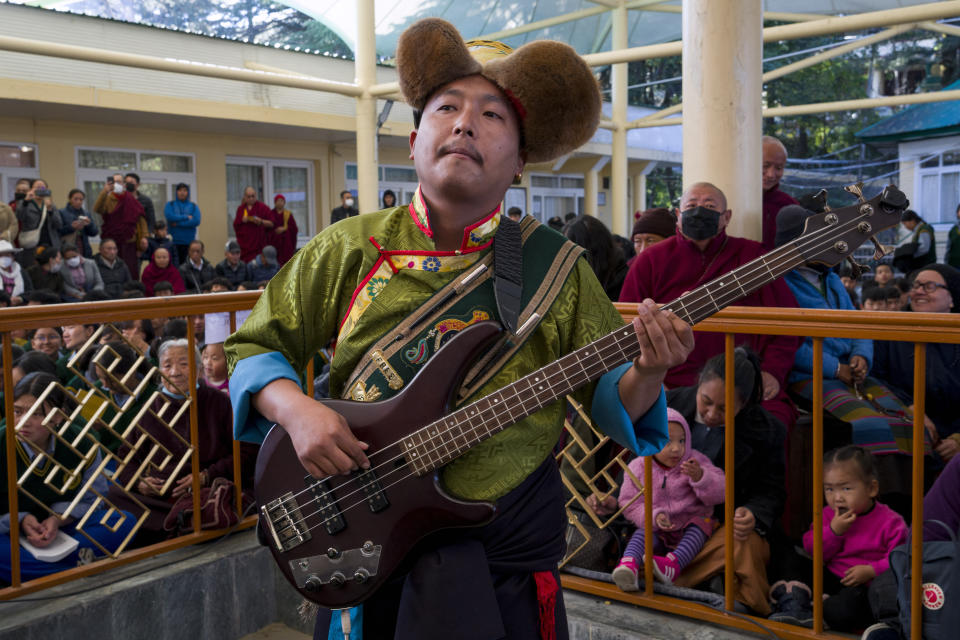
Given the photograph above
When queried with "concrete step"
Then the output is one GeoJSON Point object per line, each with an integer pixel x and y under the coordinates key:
{"type": "Point", "coordinates": [231, 589]}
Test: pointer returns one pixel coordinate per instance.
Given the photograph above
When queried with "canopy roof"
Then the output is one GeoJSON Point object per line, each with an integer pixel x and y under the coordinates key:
{"type": "Point", "coordinates": [652, 22]}
{"type": "Point", "coordinates": [931, 120]}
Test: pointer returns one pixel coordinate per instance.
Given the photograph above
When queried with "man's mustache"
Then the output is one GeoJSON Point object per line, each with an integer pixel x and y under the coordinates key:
{"type": "Point", "coordinates": [464, 149]}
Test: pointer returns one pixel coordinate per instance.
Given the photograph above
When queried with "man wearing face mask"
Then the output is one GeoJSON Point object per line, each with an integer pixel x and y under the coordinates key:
{"type": "Point", "coordinates": [347, 208]}
{"type": "Point", "coordinates": [121, 211]}
{"type": "Point", "coordinates": [149, 213]}
{"type": "Point", "coordinates": [700, 252]}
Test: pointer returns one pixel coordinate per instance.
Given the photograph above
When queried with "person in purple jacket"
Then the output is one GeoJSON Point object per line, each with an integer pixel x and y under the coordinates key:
{"type": "Point", "coordinates": [858, 535]}
{"type": "Point", "coordinates": [686, 487]}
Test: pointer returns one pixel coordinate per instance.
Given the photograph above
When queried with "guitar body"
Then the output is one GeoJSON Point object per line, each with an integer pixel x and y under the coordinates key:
{"type": "Point", "coordinates": [339, 561]}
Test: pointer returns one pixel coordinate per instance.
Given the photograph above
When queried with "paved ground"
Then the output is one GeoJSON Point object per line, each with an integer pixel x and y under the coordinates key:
{"type": "Point", "coordinates": [276, 632]}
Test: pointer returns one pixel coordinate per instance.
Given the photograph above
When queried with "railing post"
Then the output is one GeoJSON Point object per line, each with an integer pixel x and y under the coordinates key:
{"type": "Point", "coordinates": [237, 471]}
{"type": "Point", "coordinates": [11, 453]}
{"type": "Point", "coordinates": [916, 540]}
{"type": "Point", "coordinates": [729, 393]}
{"type": "Point", "coordinates": [648, 525]}
{"type": "Point", "coordinates": [194, 424]}
{"type": "Point", "coordinates": [817, 453]}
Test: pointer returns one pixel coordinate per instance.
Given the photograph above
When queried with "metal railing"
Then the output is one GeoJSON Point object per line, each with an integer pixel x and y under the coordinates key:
{"type": "Point", "coordinates": [918, 328]}
{"type": "Point", "coordinates": [104, 313]}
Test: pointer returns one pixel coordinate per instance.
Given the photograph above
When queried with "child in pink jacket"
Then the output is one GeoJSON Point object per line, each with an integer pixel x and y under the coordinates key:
{"type": "Point", "coordinates": [686, 487]}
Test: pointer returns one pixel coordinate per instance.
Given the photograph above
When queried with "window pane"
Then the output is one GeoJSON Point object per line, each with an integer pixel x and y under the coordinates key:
{"type": "Point", "coordinates": [351, 172]}
{"type": "Point", "coordinates": [156, 191]}
{"type": "Point", "coordinates": [543, 181]}
{"type": "Point", "coordinates": [161, 162]}
{"type": "Point", "coordinates": [951, 157]}
{"type": "Point", "coordinates": [930, 162]}
{"type": "Point", "coordinates": [292, 182]}
{"type": "Point", "coordinates": [571, 183]}
{"type": "Point", "coordinates": [399, 174]}
{"type": "Point", "coordinates": [239, 177]}
{"type": "Point", "coordinates": [929, 193]}
{"type": "Point", "coordinates": [949, 197]}
{"type": "Point", "coordinates": [91, 190]}
{"type": "Point", "coordinates": [18, 156]}
{"type": "Point", "coordinates": [115, 160]}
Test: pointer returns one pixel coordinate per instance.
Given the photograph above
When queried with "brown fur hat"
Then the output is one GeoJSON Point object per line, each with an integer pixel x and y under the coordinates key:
{"type": "Point", "coordinates": [552, 89]}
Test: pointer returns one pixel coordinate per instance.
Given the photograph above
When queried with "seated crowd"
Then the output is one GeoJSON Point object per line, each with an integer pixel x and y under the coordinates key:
{"type": "Point", "coordinates": [868, 386]}
{"type": "Point", "coordinates": [868, 400]}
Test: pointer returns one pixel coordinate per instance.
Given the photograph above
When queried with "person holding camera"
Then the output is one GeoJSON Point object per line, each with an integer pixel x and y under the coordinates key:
{"type": "Point", "coordinates": [78, 227]}
{"type": "Point", "coordinates": [39, 220]}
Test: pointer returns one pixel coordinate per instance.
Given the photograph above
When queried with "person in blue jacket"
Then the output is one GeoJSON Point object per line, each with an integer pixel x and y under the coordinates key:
{"type": "Point", "coordinates": [183, 218]}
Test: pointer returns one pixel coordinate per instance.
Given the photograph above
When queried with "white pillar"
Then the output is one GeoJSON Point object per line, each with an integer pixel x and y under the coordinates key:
{"type": "Point", "coordinates": [639, 192]}
{"type": "Point", "coordinates": [618, 168]}
{"type": "Point", "coordinates": [366, 77]}
{"type": "Point", "coordinates": [722, 68]}
{"type": "Point", "coordinates": [591, 178]}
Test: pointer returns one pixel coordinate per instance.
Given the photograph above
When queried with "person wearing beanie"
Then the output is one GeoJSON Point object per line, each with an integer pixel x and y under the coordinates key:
{"type": "Point", "coordinates": [45, 272]}
{"type": "Point", "coordinates": [481, 112]}
{"type": "Point", "coordinates": [850, 393]}
{"type": "Point", "coordinates": [933, 289]}
{"type": "Point", "coordinates": [652, 226]}
{"type": "Point", "coordinates": [284, 235]}
{"type": "Point", "coordinates": [265, 265]}
{"type": "Point", "coordinates": [184, 217]}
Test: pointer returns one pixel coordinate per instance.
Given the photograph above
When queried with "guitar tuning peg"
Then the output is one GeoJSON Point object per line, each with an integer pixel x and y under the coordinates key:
{"type": "Point", "coordinates": [880, 250]}
{"type": "Point", "coordinates": [857, 190]}
{"type": "Point", "coordinates": [856, 269]}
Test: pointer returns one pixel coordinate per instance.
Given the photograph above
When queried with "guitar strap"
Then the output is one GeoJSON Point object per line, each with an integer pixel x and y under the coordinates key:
{"type": "Point", "coordinates": [397, 356]}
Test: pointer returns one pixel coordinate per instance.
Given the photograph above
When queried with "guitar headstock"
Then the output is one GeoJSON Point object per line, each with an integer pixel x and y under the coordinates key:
{"type": "Point", "coordinates": [834, 235]}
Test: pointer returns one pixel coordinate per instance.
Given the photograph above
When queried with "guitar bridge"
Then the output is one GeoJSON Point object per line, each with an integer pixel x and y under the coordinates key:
{"type": "Point", "coordinates": [376, 498]}
{"type": "Point", "coordinates": [284, 522]}
{"type": "Point", "coordinates": [329, 511]}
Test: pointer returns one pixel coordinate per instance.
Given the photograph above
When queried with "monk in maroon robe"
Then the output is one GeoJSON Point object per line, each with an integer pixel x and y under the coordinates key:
{"type": "Point", "coordinates": [120, 225]}
{"type": "Point", "coordinates": [253, 225]}
{"type": "Point", "coordinates": [700, 252]}
{"type": "Point", "coordinates": [774, 160]}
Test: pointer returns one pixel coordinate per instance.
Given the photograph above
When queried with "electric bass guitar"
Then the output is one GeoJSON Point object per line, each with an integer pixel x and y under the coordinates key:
{"type": "Point", "coordinates": [338, 539]}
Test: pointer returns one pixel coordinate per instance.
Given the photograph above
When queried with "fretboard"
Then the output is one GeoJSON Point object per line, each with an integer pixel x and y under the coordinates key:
{"type": "Point", "coordinates": [448, 438]}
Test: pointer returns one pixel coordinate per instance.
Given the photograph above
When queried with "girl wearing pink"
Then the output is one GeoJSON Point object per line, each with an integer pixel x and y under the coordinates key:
{"type": "Point", "coordinates": [686, 487]}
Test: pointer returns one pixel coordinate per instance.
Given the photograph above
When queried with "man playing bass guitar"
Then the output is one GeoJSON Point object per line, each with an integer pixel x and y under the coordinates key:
{"type": "Point", "coordinates": [393, 287]}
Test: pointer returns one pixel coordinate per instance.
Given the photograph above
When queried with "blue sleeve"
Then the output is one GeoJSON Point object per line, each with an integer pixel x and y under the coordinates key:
{"type": "Point", "coordinates": [860, 346]}
{"type": "Point", "coordinates": [250, 376]}
{"type": "Point", "coordinates": [170, 213]}
{"type": "Point", "coordinates": [196, 215]}
{"type": "Point", "coordinates": [646, 436]}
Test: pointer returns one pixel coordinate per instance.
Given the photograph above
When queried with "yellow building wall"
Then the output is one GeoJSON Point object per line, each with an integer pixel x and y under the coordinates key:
{"type": "Point", "coordinates": [57, 142]}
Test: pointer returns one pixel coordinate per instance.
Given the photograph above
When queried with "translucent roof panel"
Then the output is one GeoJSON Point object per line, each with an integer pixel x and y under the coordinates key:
{"type": "Point", "coordinates": [330, 26]}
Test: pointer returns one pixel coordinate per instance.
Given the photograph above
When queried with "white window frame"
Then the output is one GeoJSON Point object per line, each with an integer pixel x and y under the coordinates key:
{"type": "Point", "coordinates": [18, 172]}
{"type": "Point", "coordinates": [578, 195]}
{"type": "Point", "coordinates": [268, 164]}
{"type": "Point", "coordinates": [944, 211]}
{"type": "Point", "coordinates": [171, 178]}
{"type": "Point", "coordinates": [403, 190]}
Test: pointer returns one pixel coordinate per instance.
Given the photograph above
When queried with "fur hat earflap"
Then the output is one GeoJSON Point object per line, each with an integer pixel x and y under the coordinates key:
{"type": "Point", "coordinates": [553, 91]}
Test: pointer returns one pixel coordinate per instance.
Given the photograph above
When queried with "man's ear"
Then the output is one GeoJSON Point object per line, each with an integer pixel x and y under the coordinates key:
{"type": "Point", "coordinates": [413, 139]}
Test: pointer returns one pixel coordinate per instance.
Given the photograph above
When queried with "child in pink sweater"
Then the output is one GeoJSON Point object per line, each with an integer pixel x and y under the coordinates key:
{"type": "Point", "coordinates": [686, 486]}
{"type": "Point", "coordinates": [858, 535]}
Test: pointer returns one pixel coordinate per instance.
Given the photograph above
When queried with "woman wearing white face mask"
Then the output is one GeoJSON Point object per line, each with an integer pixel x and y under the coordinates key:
{"type": "Point", "coordinates": [14, 280]}
{"type": "Point", "coordinates": [80, 274]}
{"type": "Point", "coordinates": [46, 271]}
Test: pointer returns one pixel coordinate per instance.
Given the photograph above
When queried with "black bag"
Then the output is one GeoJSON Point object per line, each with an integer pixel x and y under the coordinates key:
{"type": "Point", "coordinates": [604, 547]}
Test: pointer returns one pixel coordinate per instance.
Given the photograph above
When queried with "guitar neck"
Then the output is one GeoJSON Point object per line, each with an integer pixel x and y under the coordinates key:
{"type": "Point", "coordinates": [453, 435]}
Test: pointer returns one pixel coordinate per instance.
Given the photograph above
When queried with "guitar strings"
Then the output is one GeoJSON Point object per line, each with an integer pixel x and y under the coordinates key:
{"type": "Point", "coordinates": [751, 281]}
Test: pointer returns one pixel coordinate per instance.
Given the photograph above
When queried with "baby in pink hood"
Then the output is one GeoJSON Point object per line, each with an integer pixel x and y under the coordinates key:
{"type": "Point", "coordinates": [686, 487]}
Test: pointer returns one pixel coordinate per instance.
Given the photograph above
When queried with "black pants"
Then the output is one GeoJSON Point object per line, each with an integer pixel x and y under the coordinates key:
{"type": "Point", "coordinates": [477, 584]}
{"type": "Point", "coordinates": [846, 608]}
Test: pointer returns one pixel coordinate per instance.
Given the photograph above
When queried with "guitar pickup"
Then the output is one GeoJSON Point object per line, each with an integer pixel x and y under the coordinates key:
{"type": "Point", "coordinates": [284, 523]}
{"type": "Point", "coordinates": [329, 512]}
{"type": "Point", "coordinates": [376, 498]}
